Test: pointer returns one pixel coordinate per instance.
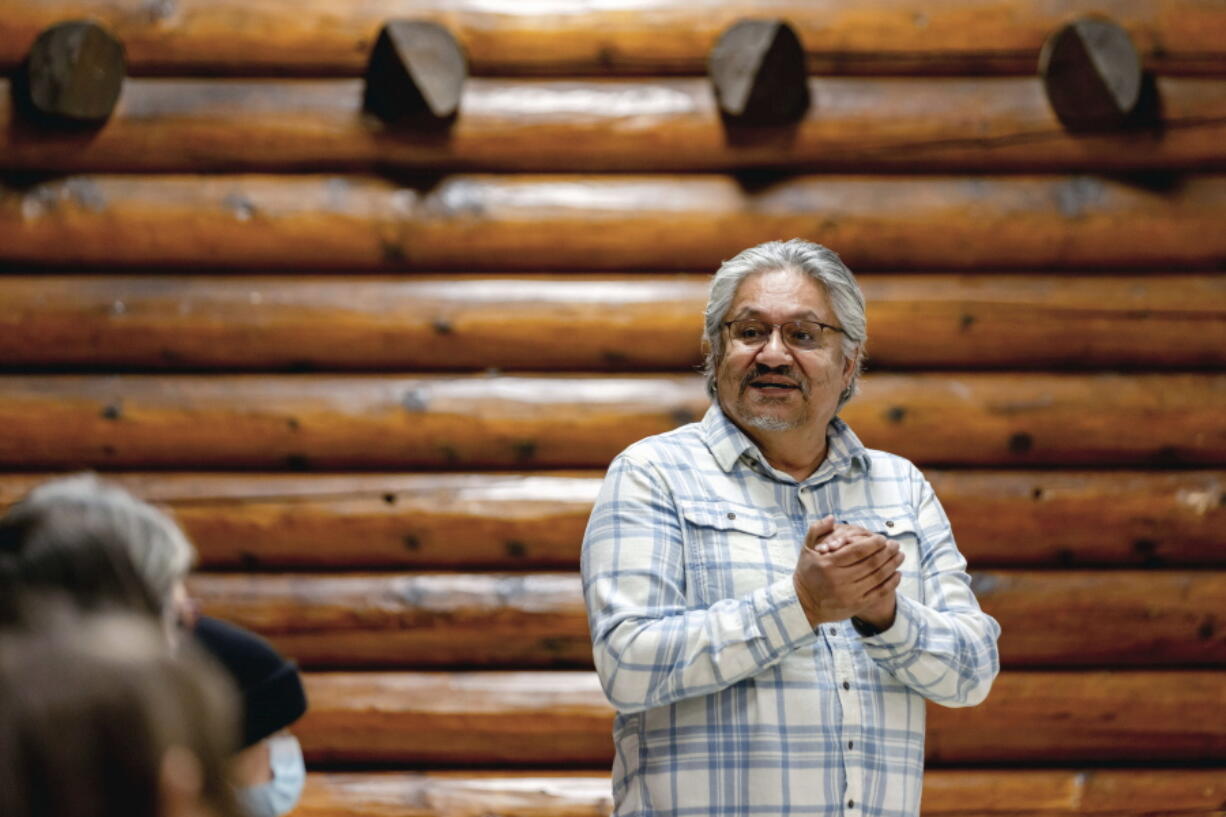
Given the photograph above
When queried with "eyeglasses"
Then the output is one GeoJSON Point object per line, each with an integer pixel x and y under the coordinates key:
{"type": "Point", "coordinates": [802, 336]}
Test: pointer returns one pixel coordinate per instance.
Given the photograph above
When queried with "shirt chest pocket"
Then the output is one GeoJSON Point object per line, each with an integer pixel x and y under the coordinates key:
{"type": "Point", "coordinates": [732, 550]}
{"type": "Point", "coordinates": [902, 530]}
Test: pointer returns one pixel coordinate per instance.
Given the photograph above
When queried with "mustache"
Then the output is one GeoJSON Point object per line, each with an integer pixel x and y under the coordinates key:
{"type": "Point", "coordinates": [761, 370]}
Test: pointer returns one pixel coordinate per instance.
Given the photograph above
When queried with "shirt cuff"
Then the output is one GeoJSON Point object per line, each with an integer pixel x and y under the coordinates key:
{"type": "Point", "coordinates": [780, 616]}
{"type": "Point", "coordinates": [892, 645]}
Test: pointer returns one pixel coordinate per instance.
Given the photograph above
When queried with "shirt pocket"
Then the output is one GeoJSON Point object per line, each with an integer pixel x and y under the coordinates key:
{"type": "Point", "coordinates": [731, 549]}
{"type": "Point", "coordinates": [902, 529]}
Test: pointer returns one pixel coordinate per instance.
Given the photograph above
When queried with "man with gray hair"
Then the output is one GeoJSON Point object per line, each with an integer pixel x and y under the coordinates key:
{"type": "Point", "coordinates": [771, 602]}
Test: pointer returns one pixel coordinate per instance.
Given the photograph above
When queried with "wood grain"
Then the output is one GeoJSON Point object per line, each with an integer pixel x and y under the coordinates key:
{"type": "Point", "coordinates": [572, 322]}
{"type": "Point", "coordinates": [628, 36]}
{"type": "Point", "coordinates": [979, 124]}
{"type": "Point", "coordinates": [304, 422]}
{"type": "Point", "coordinates": [586, 794]}
{"type": "Point", "coordinates": [474, 223]}
{"type": "Point", "coordinates": [559, 719]}
{"type": "Point", "coordinates": [1047, 618]}
{"type": "Point", "coordinates": [535, 521]}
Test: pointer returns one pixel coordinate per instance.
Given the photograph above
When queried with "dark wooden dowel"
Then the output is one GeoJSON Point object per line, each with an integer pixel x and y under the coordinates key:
{"type": "Point", "coordinates": [416, 74]}
{"type": "Point", "coordinates": [72, 76]}
{"type": "Point", "coordinates": [1092, 74]}
{"type": "Point", "coordinates": [758, 71]}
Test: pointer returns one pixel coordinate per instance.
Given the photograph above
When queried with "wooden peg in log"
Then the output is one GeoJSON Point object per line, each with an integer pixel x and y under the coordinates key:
{"type": "Point", "coordinates": [758, 70]}
{"type": "Point", "coordinates": [416, 73]}
{"type": "Point", "coordinates": [1092, 74]}
{"type": "Point", "coordinates": [72, 75]}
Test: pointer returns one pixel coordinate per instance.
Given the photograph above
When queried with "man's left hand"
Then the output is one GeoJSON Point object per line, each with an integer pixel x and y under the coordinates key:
{"type": "Point", "coordinates": [880, 614]}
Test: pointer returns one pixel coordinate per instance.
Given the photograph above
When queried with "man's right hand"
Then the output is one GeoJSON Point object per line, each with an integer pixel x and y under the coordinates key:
{"type": "Point", "coordinates": [836, 585]}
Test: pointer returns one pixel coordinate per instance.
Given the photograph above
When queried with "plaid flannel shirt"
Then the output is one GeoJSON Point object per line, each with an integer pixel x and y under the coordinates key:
{"type": "Point", "coordinates": [728, 701]}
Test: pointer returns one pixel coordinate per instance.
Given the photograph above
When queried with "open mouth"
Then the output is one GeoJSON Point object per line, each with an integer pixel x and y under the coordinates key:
{"type": "Point", "coordinates": [773, 388]}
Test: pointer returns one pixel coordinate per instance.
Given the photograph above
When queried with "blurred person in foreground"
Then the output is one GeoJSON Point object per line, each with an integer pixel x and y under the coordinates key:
{"type": "Point", "coordinates": [771, 602]}
{"type": "Point", "coordinates": [99, 719]}
{"type": "Point", "coordinates": [100, 546]}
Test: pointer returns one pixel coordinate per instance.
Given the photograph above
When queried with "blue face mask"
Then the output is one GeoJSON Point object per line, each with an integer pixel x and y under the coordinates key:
{"type": "Point", "coordinates": [279, 795]}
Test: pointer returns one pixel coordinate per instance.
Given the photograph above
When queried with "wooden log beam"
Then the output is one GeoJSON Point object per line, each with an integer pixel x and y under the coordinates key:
{"type": "Point", "coordinates": [536, 521]}
{"type": "Point", "coordinates": [479, 222]}
{"type": "Point", "coordinates": [1048, 619]}
{"type": "Point", "coordinates": [883, 124]}
{"type": "Point", "coordinates": [1017, 793]}
{"type": "Point", "coordinates": [561, 719]}
{"type": "Point", "coordinates": [585, 323]}
{"type": "Point", "coordinates": [631, 36]}
{"type": "Point", "coordinates": [335, 422]}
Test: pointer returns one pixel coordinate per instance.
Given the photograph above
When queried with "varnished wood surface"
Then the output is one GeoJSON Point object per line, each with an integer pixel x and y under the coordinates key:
{"type": "Point", "coordinates": [625, 222]}
{"type": "Point", "coordinates": [555, 719]}
{"type": "Point", "coordinates": [516, 521]}
{"type": "Point", "coordinates": [627, 36]}
{"type": "Point", "coordinates": [165, 321]}
{"type": "Point", "coordinates": [1047, 618]}
{"type": "Point", "coordinates": [304, 422]}
{"type": "Point", "coordinates": [588, 794]}
{"type": "Point", "coordinates": [904, 124]}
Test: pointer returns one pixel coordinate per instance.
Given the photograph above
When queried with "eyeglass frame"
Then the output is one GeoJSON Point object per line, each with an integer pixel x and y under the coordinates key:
{"type": "Point", "coordinates": [782, 335]}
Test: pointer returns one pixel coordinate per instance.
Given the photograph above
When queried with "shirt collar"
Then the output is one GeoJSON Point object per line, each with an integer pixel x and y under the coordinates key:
{"type": "Point", "coordinates": [728, 444]}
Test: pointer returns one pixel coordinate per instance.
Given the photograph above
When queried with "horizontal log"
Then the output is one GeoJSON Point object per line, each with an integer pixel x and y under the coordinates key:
{"type": "Point", "coordinates": [584, 794]}
{"type": "Point", "coordinates": [627, 36]}
{"type": "Point", "coordinates": [973, 124]}
{"type": "Point", "coordinates": [320, 422]}
{"type": "Point", "coordinates": [562, 719]}
{"type": "Point", "coordinates": [559, 222]}
{"type": "Point", "coordinates": [577, 322]}
{"type": "Point", "coordinates": [1083, 619]}
{"type": "Point", "coordinates": [536, 521]}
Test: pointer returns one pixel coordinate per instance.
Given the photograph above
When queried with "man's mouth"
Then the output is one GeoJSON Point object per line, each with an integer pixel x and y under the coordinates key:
{"type": "Point", "coordinates": [772, 386]}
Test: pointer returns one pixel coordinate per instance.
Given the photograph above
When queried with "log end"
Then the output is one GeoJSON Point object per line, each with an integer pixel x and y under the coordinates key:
{"type": "Point", "coordinates": [1092, 75]}
{"type": "Point", "coordinates": [416, 74]}
{"type": "Point", "coordinates": [72, 76]}
{"type": "Point", "coordinates": [758, 70]}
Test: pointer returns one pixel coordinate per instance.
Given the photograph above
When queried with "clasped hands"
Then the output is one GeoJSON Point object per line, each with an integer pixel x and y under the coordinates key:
{"type": "Point", "coordinates": [845, 571]}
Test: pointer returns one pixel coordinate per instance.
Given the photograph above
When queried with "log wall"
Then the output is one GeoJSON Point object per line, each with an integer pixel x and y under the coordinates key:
{"type": "Point", "coordinates": [376, 372]}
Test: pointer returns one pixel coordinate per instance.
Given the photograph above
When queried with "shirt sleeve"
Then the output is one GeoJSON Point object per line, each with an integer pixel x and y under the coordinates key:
{"type": "Point", "coordinates": [650, 647]}
{"type": "Point", "coordinates": [943, 649]}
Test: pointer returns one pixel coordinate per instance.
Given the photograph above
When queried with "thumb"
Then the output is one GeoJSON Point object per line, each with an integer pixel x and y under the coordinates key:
{"type": "Point", "coordinates": [819, 529]}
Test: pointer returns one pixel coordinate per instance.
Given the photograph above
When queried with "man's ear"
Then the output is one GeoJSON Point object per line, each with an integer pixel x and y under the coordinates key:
{"type": "Point", "coordinates": [706, 347]}
{"type": "Point", "coordinates": [850, 363]}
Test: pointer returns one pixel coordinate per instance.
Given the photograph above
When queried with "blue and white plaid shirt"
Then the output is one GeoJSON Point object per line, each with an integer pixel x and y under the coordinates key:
{"type": "Point", "coordinates": [729, 702]}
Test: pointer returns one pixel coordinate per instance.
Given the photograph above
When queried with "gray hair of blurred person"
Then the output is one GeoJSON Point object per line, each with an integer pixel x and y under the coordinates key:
{"type": "Point", "coordinates": [75, 517]}
{"type": "Point", "coordinates": [101, 719]}
{"type": "Point", "coordinates": [821, 264]}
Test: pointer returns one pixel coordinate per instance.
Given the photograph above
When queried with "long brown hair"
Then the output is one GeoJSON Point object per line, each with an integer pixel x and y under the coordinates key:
{"type": "Point", "coordinates": [90, 705]}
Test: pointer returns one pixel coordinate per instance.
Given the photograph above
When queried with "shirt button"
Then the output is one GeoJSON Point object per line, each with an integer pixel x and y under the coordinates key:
{"type": "Point", "coordinates": [851, 744]}
{"type": "Point", "coordinates": [851, 803]}
{"type": "Point", "coordinates": [846, 685]}
{"type": "Point", "coordinates": [833, 631]}
{"type": "Point", "coordinates": [731, 515]}
{"type": "Point", "coordinates": [889, 523]}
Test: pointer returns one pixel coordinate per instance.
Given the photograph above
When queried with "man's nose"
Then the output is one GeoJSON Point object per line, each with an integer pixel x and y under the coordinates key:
{"type": "Point", "coordinates": [775, 352]}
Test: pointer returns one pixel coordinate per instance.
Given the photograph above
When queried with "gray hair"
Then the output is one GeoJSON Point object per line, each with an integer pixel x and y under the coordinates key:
{"type": "Point", "coordinates": [158, 550]}
{"type": "Point", "coordinates": [822, 265]}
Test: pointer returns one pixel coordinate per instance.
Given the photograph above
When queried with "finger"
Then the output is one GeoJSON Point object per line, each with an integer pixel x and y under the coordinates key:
{"type": "Point", "coordinates": [818, 530]}
{"type": "Point", "coordinates": [853, 552]}
{"type": "Point", "coordinates": [883, 588]}
{"type": "Point", "coordinates": [884, 563]}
